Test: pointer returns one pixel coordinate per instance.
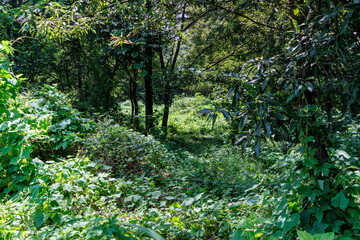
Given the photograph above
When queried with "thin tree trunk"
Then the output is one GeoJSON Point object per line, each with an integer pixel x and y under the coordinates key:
{"type": "Point", "coordinates": [149, 121]}
{"type": "Point", "coordinates": [132, 101]}
{"type": "Point", "coordinates": [133, 95]}
{"type": "Point", "coordinates": [79, 83]}
{"type": "Point", "coordinates": [167, 87]}
{"type": "Point", "coordinates": [166, 93]}
{"type": "Point", "coordinates": [136, 104]}
{"type": "Point", "coordinates": [79, 69]}
{"type": "Point", "coordinates": [166, 106]}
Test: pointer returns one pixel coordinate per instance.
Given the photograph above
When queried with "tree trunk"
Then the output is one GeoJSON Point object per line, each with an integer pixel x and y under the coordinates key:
{"type": "Point", "coordinates": [80, 84]}
{"type": "Point", "coordinates": [134, 103]}
{"type": "Point", "coordinates": [166, 106]}
{"type": "Point", "coordinates": [167, 87]}
{"type": "Point", "coordinates": [133, 95]}
{"type": "Point", "coordinates": [131, 101]}
{"type": "Point", "coordinates": [76, 51]}
{"type": "Point", "coordinates": [149, 120]}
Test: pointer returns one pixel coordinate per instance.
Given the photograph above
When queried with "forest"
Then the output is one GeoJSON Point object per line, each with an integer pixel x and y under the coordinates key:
{"type": "Point", "coordinates": [186, 119]}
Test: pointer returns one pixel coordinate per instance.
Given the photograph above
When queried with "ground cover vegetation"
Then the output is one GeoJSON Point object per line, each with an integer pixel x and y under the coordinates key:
{"type": "Point", "coordinates": [179, 119]}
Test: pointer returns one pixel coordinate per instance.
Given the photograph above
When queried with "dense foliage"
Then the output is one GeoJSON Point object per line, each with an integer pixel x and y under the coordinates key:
{"type": "Point", "coordinates": [179, 119]}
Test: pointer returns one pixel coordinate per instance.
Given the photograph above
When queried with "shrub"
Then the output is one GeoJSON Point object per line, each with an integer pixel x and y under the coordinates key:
{"type": "Point", "coordinates": [125, 150]}
{"type": "Point", "coordinates": [16, 170]}
{"type": "Point", "coordinates": [63, 126]}
{"type": "Point", "coordinates": [68, 200]}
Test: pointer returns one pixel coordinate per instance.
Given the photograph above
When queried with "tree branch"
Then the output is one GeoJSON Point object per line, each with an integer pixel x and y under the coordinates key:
{"type": "Point", "coordinates": [179, 40]}
{"type": "Point", "coordinates": [250, 19]}
{"type": "Point", "coordinates": [224, 58]}
{"type": "Point", "coordinates": [126, 70]}
{"type": "Point", "coordinates": [206, 48]}
{"type": "Point", "coordinates": [161, 56]}
{"type": "Point", "coordinates": [198, 18]}
{"type": "Point", "coordinates": [116, 66]}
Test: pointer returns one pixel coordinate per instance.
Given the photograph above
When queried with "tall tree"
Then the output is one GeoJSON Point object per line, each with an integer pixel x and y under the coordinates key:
{"type": "Point", "coordinates": [149, 55]}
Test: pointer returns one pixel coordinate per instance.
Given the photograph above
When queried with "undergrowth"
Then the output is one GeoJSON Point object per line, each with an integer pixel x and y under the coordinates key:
{"type": "Point", "coordinates": [100, 180]}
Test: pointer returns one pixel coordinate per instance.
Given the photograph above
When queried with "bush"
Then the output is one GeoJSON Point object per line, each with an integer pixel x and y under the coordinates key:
{"type": "Point", "coordinates": [63, 126]}
{"type": "Point", "coordinates": [32, 125]}
{"type": "Point", "coordinates": [16, 170]}
{"type": "Point", "coordinates": [125, 150]}
{"type": "Point", "coordinates": [68, 200]}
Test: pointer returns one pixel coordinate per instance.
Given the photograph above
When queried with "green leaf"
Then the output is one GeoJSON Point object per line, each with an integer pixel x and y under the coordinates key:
{"type": "Point", "coordinates": [340, 201]}
{"type": "Point", "coordinates": [155, 194]}
{"type": "Point", "coordinates": [257, 145]}
{"type": "Point", "coordinates": [309, 86]}
{"type": "Point", "coordinates": [187, 202]}
{"type": "Point", "coordinates": [244, 223]}
{"type": "Point", "coordinates": [7, 47]}
{"type": "Point", "coordinates": [14, 160]}
{"type": "Point", "coordinates": [321, 184]}
{"type": "Point", "coordinates": [250, 235]}
{"type": "Point", "coordinates": [257, 129]}
{"type": "Point", "coordinates": [266, 81]}
{"type": "Point", "coordinates": [319, 227]}
{"type": "Point", "coordinates": [94, 233]}
{"type": "Point", "coordinates": [268, 129]}
{"type": "Point", "coordinates": [289, 224]}
{"type": "Point", "coordinates": [339, 223]}
{"type": "Point", "coordinates": [4, 126]}
{"type": "Point", "coordinates": [144, 73]}
{"type": "Point", "coordinates": [324, 236]}
{"type": "Point", "coordinates": [343, 153]}
{"type": "Point", "coordinates": [35, 190]}
{"type": "Point", "coordinates": [6, 149]}
{"type": "Point", "coordinates": [226, 114]}
{"type": "Point", "coordinates": [282, 205]}
{"type": "Point", "coordinates": [25, 153]}
{"type": "Point", "coordinates": [304, 235]}
{"type": "Point", "coordinates": [243, 121]}
{"type": "Point", "coordinates": [279, 116]}
{"type": "Point", "coordinates": [147, 231]}
{"type": "Point", "coordinates": [40, 219]}
{"type": "Point", "coordinates": [55, 4]}
{"type": "Point", "coordinates": [138, 65]}
{"type": "Point", "coordinates": [237, 235]}
{"type": "Point", "coordinates": [296, 11]}
{"type": "Point", "coordinates": [175, 205]}
{"type": "Point", "coordinates": [65, 123]}
{"type": "Point", "coordinates": [296, 25]}
{"type": "Point", "coordinates": [214, 119]}
{"type": "Point", "coordinates": [135, 54]}
{"type": "Point", "coordinates": [308, 139]}
{"type": "Point", "coordinates": [205, 111]}
{"type": "Point", "coordinates": [319, 215]}
{"type": "Point", "coordinates": [290, 97]}
{"type": "Point", "coordinates": [197, 197]}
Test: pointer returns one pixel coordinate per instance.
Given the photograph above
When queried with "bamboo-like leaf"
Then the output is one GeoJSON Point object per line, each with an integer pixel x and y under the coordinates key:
{"type": "Point", "coordinates": [205, 111]}
{"type": "Point", "coordinates": [268, 129]}
{"type": "Point", "coordinates": [244, 122]}
{"type": "Point", "coordinates": [257, 145]}
{"type": "Point", "coordinates": [214, 120]}
{"type": "Point", "coordinates": [226, 114]}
